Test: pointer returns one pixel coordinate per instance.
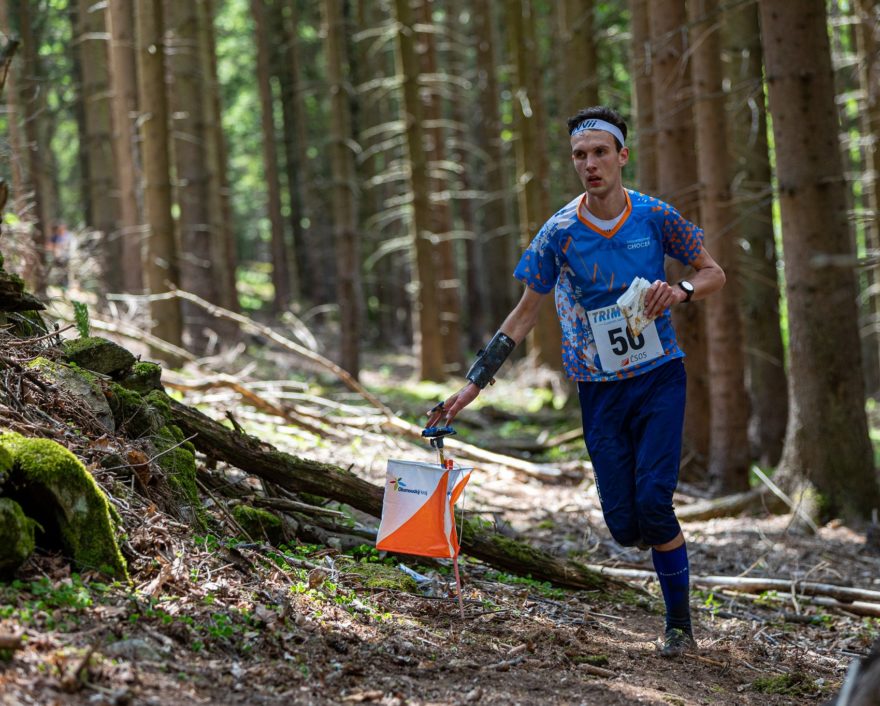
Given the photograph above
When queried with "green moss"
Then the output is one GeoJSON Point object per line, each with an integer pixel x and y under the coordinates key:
{"type": "Point", "coordinates": [178, 461]}
{"type": "Point", "coordinates": [6, 462]}
{"type": "Point", "coordinates": [51, 483]}
{"type": "Point", "coordinates": [159, 400]}
{"type": "Point", "coordinates": [132, 414]}
{"type": "Point", "coordinates": [791, 684]}
{"type": "Point", "coordinates": [27, 323]}
{"type": "Point", "coordinates": [16, 535]}
{"type": "Point", "coordinates": [381, 577]}
{"type": "Point", "coordinates": [143, 378]}
{"type": "Point", "coordinates": [259, 523]}
{"type": "Point", "coordinates": [99, 355]}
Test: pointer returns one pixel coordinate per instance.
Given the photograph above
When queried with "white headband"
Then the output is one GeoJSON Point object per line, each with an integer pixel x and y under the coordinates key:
{"type": "Point", "coordinates": [596, 124]}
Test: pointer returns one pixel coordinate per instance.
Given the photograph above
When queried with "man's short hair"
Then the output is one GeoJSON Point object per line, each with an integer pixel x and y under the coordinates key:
{"type": "Point", "coordinates": [599, 112]}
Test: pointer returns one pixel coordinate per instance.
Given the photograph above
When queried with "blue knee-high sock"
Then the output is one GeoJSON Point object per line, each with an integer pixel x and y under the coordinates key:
{"type": "Point", "coordinates": [672, 571]}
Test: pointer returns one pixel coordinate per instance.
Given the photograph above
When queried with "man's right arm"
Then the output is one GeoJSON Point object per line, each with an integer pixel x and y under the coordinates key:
{"type": "Point", "coordinates": [515, 327]}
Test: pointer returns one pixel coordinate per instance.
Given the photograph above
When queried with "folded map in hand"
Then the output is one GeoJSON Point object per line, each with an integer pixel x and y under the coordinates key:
{"type": "Point", "coordinates": [632, 305]}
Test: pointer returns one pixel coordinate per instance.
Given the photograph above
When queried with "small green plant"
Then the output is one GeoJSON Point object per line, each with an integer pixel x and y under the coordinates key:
{"type": "Point", "coordinates": [81, 318]}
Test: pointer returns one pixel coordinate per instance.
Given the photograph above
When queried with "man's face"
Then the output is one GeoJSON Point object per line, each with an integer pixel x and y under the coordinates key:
{"type": "Point", "coordinates": [597, 162]}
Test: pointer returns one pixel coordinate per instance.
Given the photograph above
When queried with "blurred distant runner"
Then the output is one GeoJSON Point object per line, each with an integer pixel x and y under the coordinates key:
{"type": "Point", "coordinates": [631, 388]}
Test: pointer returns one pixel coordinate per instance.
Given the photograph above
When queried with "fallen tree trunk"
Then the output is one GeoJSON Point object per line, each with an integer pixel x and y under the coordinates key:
{"type": "Point", "coordinates": [861, 601]}
{"type": "Point", "coordinates": [303, 475]}
{"type": "Point", "coordinates": [729, 505]}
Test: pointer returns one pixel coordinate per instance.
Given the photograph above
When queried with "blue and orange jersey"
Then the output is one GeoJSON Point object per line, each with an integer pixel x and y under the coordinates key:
{"type": "Point", "coordinates": [591, 268]}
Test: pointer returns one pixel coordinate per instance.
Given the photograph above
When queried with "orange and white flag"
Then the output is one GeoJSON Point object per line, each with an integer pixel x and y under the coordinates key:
{"type": "Point", "coordinates": [418, 514]}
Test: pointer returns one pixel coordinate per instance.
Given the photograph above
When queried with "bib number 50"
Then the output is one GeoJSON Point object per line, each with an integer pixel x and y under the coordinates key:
{"type": "Point", "coordinates": [622, 340]}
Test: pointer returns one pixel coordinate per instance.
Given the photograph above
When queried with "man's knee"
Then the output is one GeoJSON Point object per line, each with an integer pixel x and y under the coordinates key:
{"type": "Point", "coordinates": [625, 531]}
{"type": "Point", "coordinates": [657, 521]}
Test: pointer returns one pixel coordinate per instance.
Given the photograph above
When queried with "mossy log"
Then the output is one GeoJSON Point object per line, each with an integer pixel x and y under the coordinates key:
{"type": "Point", "coordinates": [303, 475]}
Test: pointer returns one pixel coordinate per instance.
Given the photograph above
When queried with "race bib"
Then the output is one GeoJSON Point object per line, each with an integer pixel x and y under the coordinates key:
{"type": "Point", "coordinates": [618, 348]}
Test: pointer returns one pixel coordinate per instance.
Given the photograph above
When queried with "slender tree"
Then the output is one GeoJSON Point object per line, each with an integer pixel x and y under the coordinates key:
{"type": "Point", "coordinates": [827, 440]}
{"type": "Point", "coordinates": [160, 254]}
{"type": "Point", "coordinates": [643, 97]}
{"type": "Point", "coordinates": [345, 206]}
{"type": "Point", "coordinates": [190, 141]}
{"type": "Point", "coordinates": [497, 233]}
{"type": "Point", "coordinates": [532, 165]}
{"type": "Point", "coordinates": [13, 111]}
{"type": "Point", "coordinates": [580, 61]}
{"type": "Point", "coordinates": [729, 404]}
{"type": "Point", "coordinates": [677, 183]}
{"type": "Point", "coordinates": [425, 305]}
{"type": "Point", "coordinates": [435, 134]}
{"type": "Point", "coordinates": [103, 197]}
{"type": "Point", "coordinates": [280, 267]}
{"type": "Point", "coordinates": [123, 104]}
{"type": "Point", "coordinates": [751, 180]}
{"type": "Point", "coordinates": [224, 249]}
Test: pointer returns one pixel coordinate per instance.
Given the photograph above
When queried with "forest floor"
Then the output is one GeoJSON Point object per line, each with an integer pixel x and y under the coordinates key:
{"type": "Point", "coordinates": [210, 619]}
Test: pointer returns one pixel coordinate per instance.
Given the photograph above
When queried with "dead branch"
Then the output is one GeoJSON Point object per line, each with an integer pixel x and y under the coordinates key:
{"type": "Point", "coordinates": [304, 475]}
{"type": "Point", "coordinates": [729, 505]}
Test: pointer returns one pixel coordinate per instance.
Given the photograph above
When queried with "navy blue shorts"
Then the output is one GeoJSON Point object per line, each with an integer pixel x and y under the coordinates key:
{"type": "Point", "coordinates": [632, 429]}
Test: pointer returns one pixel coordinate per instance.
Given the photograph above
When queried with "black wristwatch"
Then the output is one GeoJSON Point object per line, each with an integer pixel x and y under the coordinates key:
{"type": "Point", "coordinates": [688, 289]}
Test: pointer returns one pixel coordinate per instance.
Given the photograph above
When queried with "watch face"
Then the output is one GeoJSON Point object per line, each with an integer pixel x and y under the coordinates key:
{"type": "Point", "coordinates": [687, 286]}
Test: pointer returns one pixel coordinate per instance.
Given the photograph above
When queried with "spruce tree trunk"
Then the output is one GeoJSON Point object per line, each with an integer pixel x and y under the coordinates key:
{"type": "Point", "coordinates": [532, 165]}
{"type": "Point", "coordinates": [729, 404]}
{"type": "Point", "coordinates": [188, 96]}
{"type": "Point", "coordinates": [161, 264]}
{"type": "Point", "coordinates": [580, 60]}
{"type": "Point", "coordinates": [827, 440]}
{"type": "Point", "coordinates": [677, 184]}
{"type": "Point", "coordinates": [13, 115]}
{"type": "Point", "coordinates": [448, 282]}
{"type": "Point", "coordinates": [95, 95]}
{"type": "Point", "coordinates": [497, 234]}
{"type": "Point", "coordinates": [425, 306]}
{"type": "Point", "coordinates": [278, 248]}
{"type": "Point", "coordinates": [751, 179]}
{"type": "Point", "coordinates": [643, 98]}
{"type": "Point", "coordinates": [345, 190]}
{"type": "Point", "coordinates": [123, 105]}
{"type": "Point", "coordinates": [224, 246]}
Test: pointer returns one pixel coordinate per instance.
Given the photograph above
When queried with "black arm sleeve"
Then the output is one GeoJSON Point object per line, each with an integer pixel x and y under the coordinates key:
{"type": "Point", "coordinates": [488, 361]}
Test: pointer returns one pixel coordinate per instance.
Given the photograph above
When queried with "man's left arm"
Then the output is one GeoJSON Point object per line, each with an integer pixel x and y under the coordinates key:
{"type": "Point", "coordinates": [707, 279]}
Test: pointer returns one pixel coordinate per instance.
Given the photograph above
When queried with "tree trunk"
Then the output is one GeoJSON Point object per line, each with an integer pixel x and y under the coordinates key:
{"type": "Point", "coordinates": [123, 104]}
{"type": "Point", "coordinates": [643, 97]}
{"type": "Point", "coordinates": [448, 283]}
{"type": "Point", "coordinates": [32, 103]}
{"type": "Point", "coordinates": [496, 232]}
{"type": "Point", "coordinates": [827, 440]}
{"type": "Point", "coordinates": [426, 304]}
{"type": "Point", "coordinates": [751, 179]}
{"type": "Point", "coordinates": [286, 65]}
{"type": "Point", "coordinates": [224, 246]}
{"type": "Point", "coordinates": [280, 269]}
{"type": "Point", "coordinates": [306, 476]}
{"type": "Point", "coordinates": [532, 164]}
{"type": "Point", "coordinates": [13, 112]}
{"type": "Point", "coordinates": [729, 405]}
{"type": "Point", "coordinates": [580, 61]}
{"type": "Point", "coordinates": [188, 79]}
{"type": "Point", "coordinates": [868, 36]}
{"type": "Point", "coordinates": [345, 190]}
{"type": "Point", "coordinates": [677, 183]}
{"type": "Point", "coordinates": [161, 259]}
{"type": "Point", "coordinates": [95, 95]}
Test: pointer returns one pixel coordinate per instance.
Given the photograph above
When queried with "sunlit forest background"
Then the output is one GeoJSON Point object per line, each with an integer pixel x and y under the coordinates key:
{"type": "Point", "coordinates": [363, 176]}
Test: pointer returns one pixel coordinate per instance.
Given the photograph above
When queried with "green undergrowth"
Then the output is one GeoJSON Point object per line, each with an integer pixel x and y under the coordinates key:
{"type": "Point", "coordinates": [790, 684]}
{"type": "Point", "coordinates": [54, 605]}
{"type": "Point", "coordinates": [542, 588]}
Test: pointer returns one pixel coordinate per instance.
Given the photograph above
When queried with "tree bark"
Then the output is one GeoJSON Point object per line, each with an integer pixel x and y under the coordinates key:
{"type": "Point", "coordinates": [448, 283]}
{"type": "Point", "coordinates": [95, 95]}
{"type": "Point", "coordinates": [496, 231]}
{"type": "Point", "coordinates": [827, 440]}
{"type": "Point", "coordinates": [532, 164]}
{"type": "Point", "coordinates": [426, 303]}
{"type": "Point", "coordinates": [197, 237]}
{"type": "Point", "coordinates": [580, 60]}
{"type": "Point", "coordinates": [326, 480]}
{"type": "Point", "coordinates": [752, 188]}
{"type": "Point", "coordinates": [161, 258]}
{"type": "Point", "coordinates": [677, 183]}
{"type": "Point", "coordinates": [123, 104]}
{"type": "Point", "coordinates": [345, 203]}
{"type": "Point", "coordinates": [280, 268]}
{"type": "Point", "coordinates": [728, 403]}
{"type": "Point", "coordinates": [643, 97]}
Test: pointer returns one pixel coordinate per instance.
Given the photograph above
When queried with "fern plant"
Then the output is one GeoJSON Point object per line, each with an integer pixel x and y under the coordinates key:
{"type": "Point", "coordinates": [81, 317]}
